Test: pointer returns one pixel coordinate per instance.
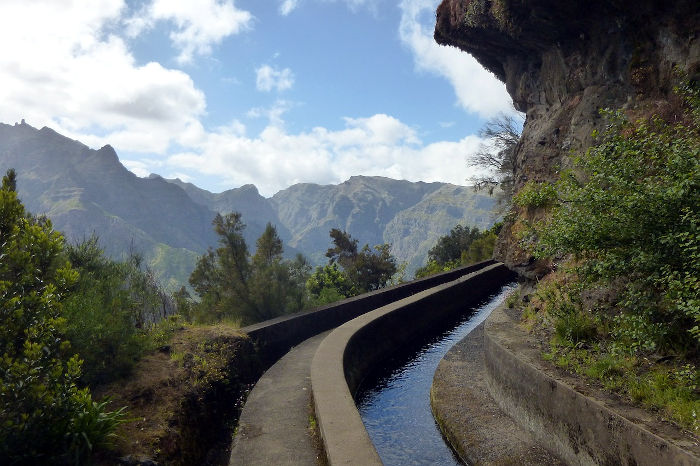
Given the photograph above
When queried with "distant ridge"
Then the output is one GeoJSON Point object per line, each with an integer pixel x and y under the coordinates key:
{"type": "Point", "coordinates": [169, 221]}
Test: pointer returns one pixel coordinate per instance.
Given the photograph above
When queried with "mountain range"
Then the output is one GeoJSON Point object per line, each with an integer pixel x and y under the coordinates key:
{"type": "Point", "coordinates": [85, 191]}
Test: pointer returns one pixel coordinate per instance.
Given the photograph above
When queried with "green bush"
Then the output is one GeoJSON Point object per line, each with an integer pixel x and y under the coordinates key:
{"type": "Point", "coordinates": [328, 284]}
{"type": "Point", "coordinates": [43, 414]}
{"type": "Point", "coordinates": [536, 195]}
{"type": "Point", "coordinates": [111, 312]}
{"type": "Point", "coordinates": [462, 246]}
{"type": "Point", "coordinates": [629, 212]}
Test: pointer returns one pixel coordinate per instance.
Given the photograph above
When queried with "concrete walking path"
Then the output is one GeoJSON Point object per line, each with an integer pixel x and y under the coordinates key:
{"type": "Point", "coordinates": [476, 427]}
{"type": "Point", "coordinates": [274, 426]}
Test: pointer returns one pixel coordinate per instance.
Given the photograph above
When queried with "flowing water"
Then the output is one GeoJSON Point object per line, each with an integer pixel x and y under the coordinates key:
{"type": "Point", "coordinates": [394, 400]}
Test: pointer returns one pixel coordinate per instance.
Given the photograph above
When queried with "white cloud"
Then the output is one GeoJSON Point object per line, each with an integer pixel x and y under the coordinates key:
{"type": "Point", "coordinates": [60, 68]}
{"type": "Point", "coordinates": [274, 159]}
{"type": "Point", "coordinates": [287, 6]}
{"type": "Point", "coordinates": [269, 78]}
{"type": "Point", "coordinates": [65, 66]}
{"type": "Point", "coordinates": [141, 168]}
{"type": "Point", "coordinates": [273, 114]}
{"type": "Point", "coordinates": [198, 24]}
{"type": "Point", "coordinates": [477, 90]}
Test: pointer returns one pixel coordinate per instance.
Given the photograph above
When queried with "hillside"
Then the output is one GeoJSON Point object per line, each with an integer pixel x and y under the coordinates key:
{"type": "Point", "coordinates": [169, 221]}
{"type": "Point", "coordinates": [87, 191]}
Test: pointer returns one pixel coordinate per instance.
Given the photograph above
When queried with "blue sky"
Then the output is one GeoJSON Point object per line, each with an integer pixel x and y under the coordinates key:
{"type": "Point", "coordinates": [274, 92]}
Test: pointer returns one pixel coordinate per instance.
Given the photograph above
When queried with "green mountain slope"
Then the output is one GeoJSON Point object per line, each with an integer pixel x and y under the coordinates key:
{"type": "Point", "coordinates": [169, 221]}
{"type": "Point", "coordinates": [87, 191]}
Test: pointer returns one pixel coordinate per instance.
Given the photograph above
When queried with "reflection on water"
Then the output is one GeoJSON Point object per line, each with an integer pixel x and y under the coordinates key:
{"type": "Point", "coordinates": [394, 401]}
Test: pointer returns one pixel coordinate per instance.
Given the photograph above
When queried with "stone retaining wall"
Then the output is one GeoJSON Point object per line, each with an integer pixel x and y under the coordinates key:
{"type": "Point", "coordinates": [582, 429]}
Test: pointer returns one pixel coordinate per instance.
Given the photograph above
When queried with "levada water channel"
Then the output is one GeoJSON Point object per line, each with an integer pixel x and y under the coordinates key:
{"type": "Point", "coordinates": [394, 399]}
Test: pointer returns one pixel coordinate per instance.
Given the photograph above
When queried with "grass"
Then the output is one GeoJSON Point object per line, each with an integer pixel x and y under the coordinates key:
{"type": "Point", "coordinates": [185, 360]}
{"type": "Point", "coordinates": [578, 340]}
{"type": "Point", "coordinates": [666, 388]}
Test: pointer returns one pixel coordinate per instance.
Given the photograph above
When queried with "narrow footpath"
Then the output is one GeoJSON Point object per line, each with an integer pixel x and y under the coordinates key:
{"type": "Point", "coordinates": [477, 428]}
{"type": "Point", "coordinates": [274, 427]}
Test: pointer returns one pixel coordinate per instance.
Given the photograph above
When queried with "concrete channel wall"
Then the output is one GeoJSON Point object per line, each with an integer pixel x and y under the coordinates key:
{"type": "Point", "coordinates": [347, 354]}
{"type": "Point", "coordinates": [276, 337]}
{"type": "Point", "coordinates": [581, 429]}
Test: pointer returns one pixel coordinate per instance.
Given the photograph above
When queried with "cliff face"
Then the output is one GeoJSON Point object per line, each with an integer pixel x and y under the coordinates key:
{"type": "Point", "coordinates": [564, 60]}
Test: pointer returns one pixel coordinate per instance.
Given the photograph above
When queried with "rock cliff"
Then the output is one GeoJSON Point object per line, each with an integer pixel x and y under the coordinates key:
{"type": "Point", "coordinates": [562, 61]}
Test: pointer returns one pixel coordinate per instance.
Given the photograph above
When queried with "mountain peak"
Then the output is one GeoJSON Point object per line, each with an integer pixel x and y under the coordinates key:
{"type": "Point", "coordinates": [249, 189]}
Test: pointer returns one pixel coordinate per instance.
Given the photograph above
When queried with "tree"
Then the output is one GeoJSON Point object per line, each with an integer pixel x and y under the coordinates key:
{"type": "Point", "coordinates": [372, 268]}
{"type": "Point", "coordinates": [366, 270]}
{"type": "Point", "coordinates": [231, 284]}
{"type": "Point", "coordinates": [497, 157]}
{"type": "Point", "coordinates": [462, 246]}
{"type": "Point", "coordinates": [44, 416]}
{"type": "Point", "coordinates": [345, 250]}
{"type": "Point", "coordinates": [232, 256]}
{"type": "Point", "coordinates": [268, 247]}
{"type": "Point", "coordinates": [449, 247]}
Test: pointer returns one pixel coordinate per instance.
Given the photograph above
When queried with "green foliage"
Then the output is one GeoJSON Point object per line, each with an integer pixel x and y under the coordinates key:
{"type": "Point", "coordinates": [630, 210]}
{"type": "Point", "coordinates": [44, 416]}
{"type": "Point", "coordinates": [433, 267]}
{"type": "Point", "coordinates": [557, 303]}
{"type": "Point", "coordinates": [328, 284]}
{"type": "Point", "coordinates": [351, 271]}
{"type": "Point", "coordinates": [480, 249]}
{"type": "Point", "coordinates": [623, 234]}
{"type": "Point", "coordinates": [670, 390]}
{"type": "Point", "coordinates": [366, 270]}
{"type": "Point", "coordinates": [111, 312]}
{"type": "Point", "coordinates": [449, 248]}
{"type": "Point", "coordinates": [462, 246]}
{"type": "Point", "coordinates": [232, 285]}
{"type": "Point", "coordinates": [536, 195]}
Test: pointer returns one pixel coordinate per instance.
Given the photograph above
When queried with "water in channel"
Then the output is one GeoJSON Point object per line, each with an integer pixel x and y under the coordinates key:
{"type": "Point", "coordinates": [394, 400]}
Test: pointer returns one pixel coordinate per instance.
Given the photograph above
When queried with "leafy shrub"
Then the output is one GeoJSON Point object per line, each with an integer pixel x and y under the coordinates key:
{"type": "Point", "coordinates": [112, 312]}
{"type": "Point", "coordinates": [328, 284]}
{"type": "Point", "coordinates": [536, 195]}
{"type": "Point", "coordinates": [44, 416]}
{"type": "Point", "coordinates": [630, 211]}
{"type": "Point", "coordinates": [623, 235]}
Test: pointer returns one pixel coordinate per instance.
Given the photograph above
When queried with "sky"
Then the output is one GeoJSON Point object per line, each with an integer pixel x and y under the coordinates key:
{"type": "Point", "coordinates": [223, 93]}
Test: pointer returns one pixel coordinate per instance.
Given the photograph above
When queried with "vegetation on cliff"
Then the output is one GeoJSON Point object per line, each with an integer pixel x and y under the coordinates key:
{"type": "Point", "coordinates": [622, 235]}
{"type": "Point", "coordinates": [496, 159]}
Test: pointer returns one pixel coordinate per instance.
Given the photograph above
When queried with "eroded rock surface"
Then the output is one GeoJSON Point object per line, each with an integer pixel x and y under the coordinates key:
{"type": "Point", "coordinates": [562, 61]}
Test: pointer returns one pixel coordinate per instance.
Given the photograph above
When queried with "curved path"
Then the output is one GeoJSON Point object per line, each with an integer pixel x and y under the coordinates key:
{"type": "Point", "coordinates": [274, 427]}
{"type": "Point", "coordinates": [472, 421]}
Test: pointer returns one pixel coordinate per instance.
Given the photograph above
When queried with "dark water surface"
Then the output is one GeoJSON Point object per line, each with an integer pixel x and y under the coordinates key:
{"type": "Point", "coordinates": [394, 400]}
